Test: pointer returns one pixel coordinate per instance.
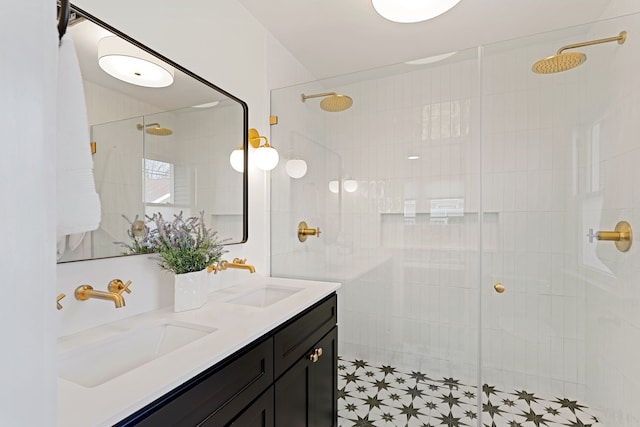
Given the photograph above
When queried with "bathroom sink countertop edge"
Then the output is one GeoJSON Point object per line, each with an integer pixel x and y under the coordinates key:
{"type": "Point", "coordinates": [233, 327]}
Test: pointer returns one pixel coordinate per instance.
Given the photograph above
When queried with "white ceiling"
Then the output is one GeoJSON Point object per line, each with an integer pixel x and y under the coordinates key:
{"type": "Point", "coordinates": [335, 37]}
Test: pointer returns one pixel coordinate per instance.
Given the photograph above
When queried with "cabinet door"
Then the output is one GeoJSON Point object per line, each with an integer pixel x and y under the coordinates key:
{"type": "Point", "coordinates": [323, 410]}
{"type": "Point", "coordinates": [305, 396]}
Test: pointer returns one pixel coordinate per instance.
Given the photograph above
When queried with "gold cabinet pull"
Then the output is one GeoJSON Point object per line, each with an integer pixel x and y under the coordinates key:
{"type": "Point", "coordinates": [304, 231]}
{"type": "Point", "coordinates": [622, 236]}
{"type": "Point", "coordinates": [499, 287]}
{"type": "Point", "coordinates": [315, 355]}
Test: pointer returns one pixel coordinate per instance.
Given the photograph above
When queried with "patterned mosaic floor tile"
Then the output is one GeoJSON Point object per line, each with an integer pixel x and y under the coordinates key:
{"type": "Point", "coordinates": [385, 396]}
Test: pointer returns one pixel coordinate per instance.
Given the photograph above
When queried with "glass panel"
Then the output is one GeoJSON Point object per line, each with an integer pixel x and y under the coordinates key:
{"type": "Point", "coordinates": [559, 152]}
{"type": "Point", "coordinates": [393, 184]}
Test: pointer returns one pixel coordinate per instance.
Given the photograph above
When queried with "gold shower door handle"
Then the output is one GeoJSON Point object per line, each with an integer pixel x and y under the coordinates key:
{"type": "Point", "coordinates": [499, 287]}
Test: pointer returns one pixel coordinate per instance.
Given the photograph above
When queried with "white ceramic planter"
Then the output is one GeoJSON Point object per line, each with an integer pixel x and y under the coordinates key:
{"type": "Point", "coordinates": [190, 291]}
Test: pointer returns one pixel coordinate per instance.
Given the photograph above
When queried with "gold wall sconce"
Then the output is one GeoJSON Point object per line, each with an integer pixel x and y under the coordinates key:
{"type": "Point", "coordinates": [622, 236]}
{"type": "Point", "coordinates": [266, 157]}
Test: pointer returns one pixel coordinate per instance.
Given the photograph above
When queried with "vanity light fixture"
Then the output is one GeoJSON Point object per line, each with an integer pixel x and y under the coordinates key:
{"type": "Point", "coordinates": [266, 157]}
{"type": "Point", "coordinates": [237, 159]}
{"type": "Point", "coordinates": [410, 11]}
{"type": "Point", "coordinates": [350, 185]}
{"type": "Point", "coordinates": [334, 186]}
{"type": "Point", "coordinates": [296, 168]}
{"type": "Point", "coordinates": [126, 62]}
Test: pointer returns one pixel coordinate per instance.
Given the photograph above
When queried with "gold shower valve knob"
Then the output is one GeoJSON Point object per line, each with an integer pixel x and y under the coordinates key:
{"type": "Point", "coordinates": [304, 231]}
{"type": "Point", "coordinates": [499, 287]}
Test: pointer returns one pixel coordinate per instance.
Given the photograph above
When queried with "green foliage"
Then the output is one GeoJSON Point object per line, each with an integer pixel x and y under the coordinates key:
{"type": "Point", "coordinates": [184, 245]}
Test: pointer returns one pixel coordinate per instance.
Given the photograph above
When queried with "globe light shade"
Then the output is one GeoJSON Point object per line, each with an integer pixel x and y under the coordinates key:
{"type": "Point", "coordinates": [266, 158]}
{"type": "Point", "coordinates": [410, 11]}
{"type": "Point", "coordinates": [334, 187]}
{"type": "Point", "coordinates": [350, 185]}
{"type": "Point", "coordinates": [126, 62]}
{"type": "Point", "coordinates": [296, 168]}
{"type": "Point", "coordinates": [237, 159]}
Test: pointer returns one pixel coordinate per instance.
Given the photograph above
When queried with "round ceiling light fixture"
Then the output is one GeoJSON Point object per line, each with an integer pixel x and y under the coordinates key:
{"type": "Point", "coordinates": [410, 11]}
{"type": "Point", "coordinates": [126, 62]}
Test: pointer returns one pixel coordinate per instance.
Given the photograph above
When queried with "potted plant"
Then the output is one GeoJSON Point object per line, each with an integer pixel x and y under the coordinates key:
{"type": "Point", "coordinates": [186, 247]}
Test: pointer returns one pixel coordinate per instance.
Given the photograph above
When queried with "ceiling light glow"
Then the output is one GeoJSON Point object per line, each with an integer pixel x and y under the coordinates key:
{"type": "Point", "coordinates": [410, 11]}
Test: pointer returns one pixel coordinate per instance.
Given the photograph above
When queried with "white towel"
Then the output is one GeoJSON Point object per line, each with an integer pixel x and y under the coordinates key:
{"type": "Point", "coordinates": [78, 204]}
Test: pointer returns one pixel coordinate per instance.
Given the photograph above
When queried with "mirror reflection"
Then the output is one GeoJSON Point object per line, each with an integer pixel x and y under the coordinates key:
{"type": "Point", "coordinates": [159, 146]}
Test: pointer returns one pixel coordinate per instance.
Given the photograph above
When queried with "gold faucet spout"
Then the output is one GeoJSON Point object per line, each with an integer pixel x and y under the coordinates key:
{"type": "Point", "coordinates": [238, 263]}
{"type": "Point", "coordinates": [85, 292]}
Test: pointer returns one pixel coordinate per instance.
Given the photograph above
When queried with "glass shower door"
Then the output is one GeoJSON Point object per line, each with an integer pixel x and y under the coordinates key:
{"type": "Point", "coordinates": [558, 152]}
{"type": "Point", "coordinates": [397, 200]}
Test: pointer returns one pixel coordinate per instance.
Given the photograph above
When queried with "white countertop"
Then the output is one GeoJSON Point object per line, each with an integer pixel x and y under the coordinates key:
{"type": "Point", "coordinates": [236, 326]}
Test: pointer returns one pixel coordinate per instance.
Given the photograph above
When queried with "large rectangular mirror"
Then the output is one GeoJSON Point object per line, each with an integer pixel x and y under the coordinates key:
{"type": "Point", "coordinates": [157, 149]}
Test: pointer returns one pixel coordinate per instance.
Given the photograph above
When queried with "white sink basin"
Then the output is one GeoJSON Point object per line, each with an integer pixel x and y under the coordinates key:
{"type": "Point", "coordinates": [265, 295]}
{"type": "Point", "coordinates": [104, 360]}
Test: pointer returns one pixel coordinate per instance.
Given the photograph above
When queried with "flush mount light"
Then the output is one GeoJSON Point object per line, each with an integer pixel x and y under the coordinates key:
{"type": "Point", "coordinates": [431, 59]}
{"type": "Point", "coordinates": [334, 186]}
{"type": "Point", "coordinates": [296, 168]}
{"type": "Point", "coordinates": [410, 11]}
{"type": "Point", "coordinates": [207, 104]}
{"type": "Point", "coordinates": [126, 62]}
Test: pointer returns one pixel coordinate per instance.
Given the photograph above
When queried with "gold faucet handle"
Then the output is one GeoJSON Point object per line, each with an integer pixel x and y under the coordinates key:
{"type": "Point", "coordinates": [58, 305]}
{"type": "Point", "coordinates": [118, 287]}
{"type": "Point", "coordinates": [239, 261]}
{"type": "Point", "coordinates": [221, 265]}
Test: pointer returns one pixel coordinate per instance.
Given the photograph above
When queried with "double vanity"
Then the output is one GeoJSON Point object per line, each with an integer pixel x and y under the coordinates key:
{"type": "Point", "coordinates": [258, 353]}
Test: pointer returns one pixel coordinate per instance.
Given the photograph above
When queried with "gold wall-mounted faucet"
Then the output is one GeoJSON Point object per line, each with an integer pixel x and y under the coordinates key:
{"type": "Point", "coordinates": [116, 288]}
{"type": "Point", "coordinates": [237, 263]}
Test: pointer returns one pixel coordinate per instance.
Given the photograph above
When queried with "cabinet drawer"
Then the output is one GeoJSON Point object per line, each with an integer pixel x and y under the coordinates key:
{"type": "Point", "coordinates": [258, 414]}
{"type": "Point", "coordinates": [296, 338]}
{"type": "Point", "coordinates": [234, 383]}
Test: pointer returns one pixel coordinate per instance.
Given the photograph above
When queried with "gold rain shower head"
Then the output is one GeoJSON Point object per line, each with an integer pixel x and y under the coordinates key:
{"type": "Point", "coordinates": [333, 102]}
{"type": "Point", "coordinates": [566, 61]}
{"type": "Point", "coordinates": [155, 129]}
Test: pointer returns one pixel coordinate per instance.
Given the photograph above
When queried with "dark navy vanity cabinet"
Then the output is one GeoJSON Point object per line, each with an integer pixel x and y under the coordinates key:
{"type": "Point", "coordinates": [286, 378]}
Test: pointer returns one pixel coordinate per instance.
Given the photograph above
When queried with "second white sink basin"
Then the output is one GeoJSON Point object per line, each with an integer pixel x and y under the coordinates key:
{"type": "Point", "coordinates": [265, 295]}
{"type": "Point", "coordinates": [104, 360]}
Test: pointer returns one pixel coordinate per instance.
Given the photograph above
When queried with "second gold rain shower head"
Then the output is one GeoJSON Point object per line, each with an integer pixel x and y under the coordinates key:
{"type": "Point", "coordinates": [568, 60]}
{"type": "Point", "coordinates": [155, 129]}
{"type": "Point", "coordinates": [332, 102]}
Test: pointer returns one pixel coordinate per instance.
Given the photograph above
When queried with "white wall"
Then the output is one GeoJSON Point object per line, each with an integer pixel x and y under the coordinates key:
{"type": "Point", "coordinates": [221, 42]}
{"type": "Point", "coordinates": [27, 184]}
